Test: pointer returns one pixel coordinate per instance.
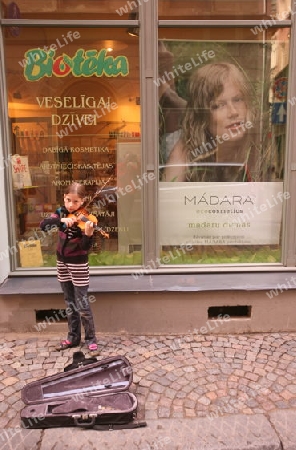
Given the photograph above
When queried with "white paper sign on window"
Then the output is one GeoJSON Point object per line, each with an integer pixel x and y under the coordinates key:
{"type": "Point", "coordinates": [20, 172]}
{"type": "Point", "coordinates": [221, 213]}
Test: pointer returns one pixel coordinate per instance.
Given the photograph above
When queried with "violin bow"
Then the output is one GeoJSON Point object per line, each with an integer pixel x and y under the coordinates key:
{"type": "Point", "coordinates": [98, 191]}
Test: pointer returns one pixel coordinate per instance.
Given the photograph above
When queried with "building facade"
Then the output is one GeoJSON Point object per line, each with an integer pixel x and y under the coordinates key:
{"type": "Point", "coordinates": [179, 119]}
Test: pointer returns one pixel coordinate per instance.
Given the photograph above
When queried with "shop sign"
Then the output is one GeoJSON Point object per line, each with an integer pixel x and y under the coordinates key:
{"type": "Point", "coordinates": [279, 113]}
{"type": "Point", "coordinates": [280, 88]}
{"type": "Point", "coordinates": [221, 213]}
{"type": "Point", "coordinates": [85, 63]}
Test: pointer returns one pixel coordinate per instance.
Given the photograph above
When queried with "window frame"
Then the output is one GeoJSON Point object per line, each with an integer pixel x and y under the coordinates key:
{"type": "Point", "coordinates": [149, 27]}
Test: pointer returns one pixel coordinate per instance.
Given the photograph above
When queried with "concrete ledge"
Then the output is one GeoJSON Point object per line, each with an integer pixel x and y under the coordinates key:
{"type": "Point", "coordinates": [238, 432]}
{"type": "Point", "coordinates": [251, 281]}
{"type": "Point", "coordinates": [284, 424]}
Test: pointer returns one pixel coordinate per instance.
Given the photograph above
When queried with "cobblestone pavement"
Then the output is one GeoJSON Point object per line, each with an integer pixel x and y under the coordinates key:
{"type": "Point", "coordinates": [184, 377]}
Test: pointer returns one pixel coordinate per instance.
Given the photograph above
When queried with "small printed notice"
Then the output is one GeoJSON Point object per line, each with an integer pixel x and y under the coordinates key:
{"type": "Point", "coordinates": [221, 213]}
{"type": "Point", "coordinates": [20, 172]}
{"type": "Point", "coordinates": [30, 253]}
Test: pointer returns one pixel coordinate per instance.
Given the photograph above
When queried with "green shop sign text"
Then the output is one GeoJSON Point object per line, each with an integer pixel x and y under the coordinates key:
{"type": "Point", "coordinates": [85, 63]}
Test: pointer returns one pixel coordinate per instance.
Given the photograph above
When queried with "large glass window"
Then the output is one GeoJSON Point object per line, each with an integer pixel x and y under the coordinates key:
{"type": "Point", "coordinates": [222, 134]}
{"type": "Point", "coordinates": [74, 115]}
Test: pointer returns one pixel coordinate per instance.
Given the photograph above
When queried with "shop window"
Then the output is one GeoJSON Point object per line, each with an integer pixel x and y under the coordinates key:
{"type": "Point", "coordinates": [74, 115]}
{"type": "Point", "coordinates": [222, 135]}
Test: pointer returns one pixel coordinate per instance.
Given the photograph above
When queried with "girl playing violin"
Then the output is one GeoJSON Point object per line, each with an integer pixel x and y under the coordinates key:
{"type": "Point", "coordinates": [74, 243]}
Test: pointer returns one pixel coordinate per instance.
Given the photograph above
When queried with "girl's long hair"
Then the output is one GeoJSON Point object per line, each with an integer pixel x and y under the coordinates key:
{"type": "Point", "coordinates": [205, 85]}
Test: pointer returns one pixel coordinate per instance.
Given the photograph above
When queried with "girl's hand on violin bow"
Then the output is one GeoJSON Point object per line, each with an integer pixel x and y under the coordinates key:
{"type": "Point", "coordinates": [69, 221]}
{"type": "Point", "coordinates": [89, 228]}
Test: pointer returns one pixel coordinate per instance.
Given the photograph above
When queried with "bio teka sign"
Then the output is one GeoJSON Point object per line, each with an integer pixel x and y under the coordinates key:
{"type": "Point", "coordinates": [85, 63]}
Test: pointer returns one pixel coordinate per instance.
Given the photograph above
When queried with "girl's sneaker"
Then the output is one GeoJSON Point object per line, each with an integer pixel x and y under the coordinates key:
{"type": "Point", "coordinates": [63, 345]}
{"type": "Point", "coordinates": [93, 349]}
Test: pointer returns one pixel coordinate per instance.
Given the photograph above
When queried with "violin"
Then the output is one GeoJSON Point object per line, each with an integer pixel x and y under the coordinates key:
{"type": "Point", "coordinates": [82, 216]}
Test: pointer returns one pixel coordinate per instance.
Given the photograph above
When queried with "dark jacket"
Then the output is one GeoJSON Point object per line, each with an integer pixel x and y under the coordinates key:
{"type": "Point", "coordinates": [73, 245]}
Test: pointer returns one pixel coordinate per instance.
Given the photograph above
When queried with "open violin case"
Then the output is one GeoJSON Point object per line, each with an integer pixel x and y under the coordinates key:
{"type": "Point", "coordinates": [93, 396]}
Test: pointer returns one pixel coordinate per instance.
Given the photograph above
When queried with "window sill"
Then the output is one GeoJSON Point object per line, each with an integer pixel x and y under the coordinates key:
{"type": "Point", "coordinates": [250, 281]}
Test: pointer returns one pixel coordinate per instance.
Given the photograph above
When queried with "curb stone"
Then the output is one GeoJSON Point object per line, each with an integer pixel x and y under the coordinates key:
{"type": "Point", "coordinates": [236, 432]}
{"type": "Point", "coordinates": [20, 439]}
{"type": "Point", "coordinates": [284, 422]}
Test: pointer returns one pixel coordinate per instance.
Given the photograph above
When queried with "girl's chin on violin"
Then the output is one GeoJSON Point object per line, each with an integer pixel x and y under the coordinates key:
{"type": "Point", "coordinates": [72, 210]}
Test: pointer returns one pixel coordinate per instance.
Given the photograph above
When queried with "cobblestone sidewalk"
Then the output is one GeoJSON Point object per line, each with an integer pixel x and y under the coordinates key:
{"type": "Point", "coordinates": [174, 377]}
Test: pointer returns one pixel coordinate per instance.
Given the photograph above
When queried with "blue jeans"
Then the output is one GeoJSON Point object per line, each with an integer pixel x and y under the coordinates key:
{"type": "Point", "coordinates": [78, 311]}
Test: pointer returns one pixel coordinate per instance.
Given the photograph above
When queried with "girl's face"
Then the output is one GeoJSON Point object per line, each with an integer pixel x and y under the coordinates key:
{"type": "Point", "coordinates": [228, 114]}
{"type": "Point", "coordinates": [72, 202]}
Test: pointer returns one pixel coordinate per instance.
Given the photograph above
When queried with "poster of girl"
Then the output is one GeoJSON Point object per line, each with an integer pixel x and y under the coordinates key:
{"type": "Point", "coordinates": [219, 129]}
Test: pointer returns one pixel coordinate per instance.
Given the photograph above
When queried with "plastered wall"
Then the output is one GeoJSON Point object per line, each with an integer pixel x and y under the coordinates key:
{"type": "Point", "coordinates": [156, 313]}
